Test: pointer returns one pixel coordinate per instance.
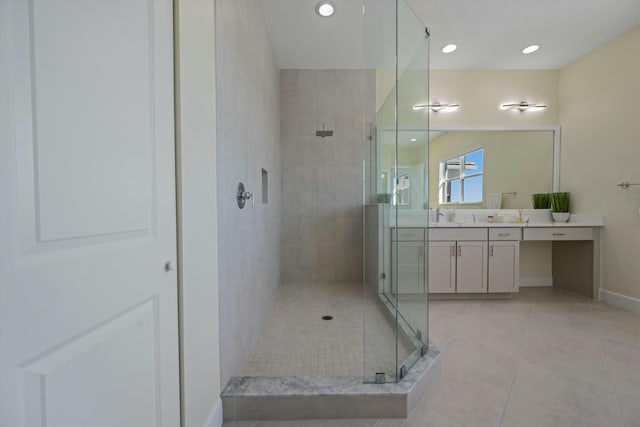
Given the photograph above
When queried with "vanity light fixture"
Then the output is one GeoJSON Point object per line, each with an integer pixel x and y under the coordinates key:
{"type": "Point", "coordinates": [523, 106]}
{"type": "Point", "coordinates": [449, 48]}
{"type": "Point", "coordinates": [325, 9]}
{"type": "Point", "coordinates": [436, 106]}
{"type": "Point", "coordinates": [530, 49]}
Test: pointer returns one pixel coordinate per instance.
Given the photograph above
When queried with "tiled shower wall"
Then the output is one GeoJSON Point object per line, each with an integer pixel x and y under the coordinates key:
{"type": "Point", "coordinates": [248, 140]}
{"type": "Point", "coordinates": [322, 178]}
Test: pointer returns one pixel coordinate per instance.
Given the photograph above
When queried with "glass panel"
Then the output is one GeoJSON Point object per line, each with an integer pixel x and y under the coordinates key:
{"type": "Point", "coordinates": [379, 328]}
{"type": "Point", "coordinates": [473, 189]}
{"type": "Point", "coordinates": [410, 297]}
{"type": "Point", "coordinates": [397, 170]}
{"type": "Point", "coordinates": [473, 163]}
{"type": "Point", "coordinates": [453, 193]}
{"type": "Point", "coordinates": [452, 168]}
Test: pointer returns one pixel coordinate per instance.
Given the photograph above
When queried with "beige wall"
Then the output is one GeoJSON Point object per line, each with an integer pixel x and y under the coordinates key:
{"type": "Point", "coordinates": [479, 93]}
{"type": "Point", "coordinates": [248, 134]}
{"type": "Point", "coordinates": [600, 119]}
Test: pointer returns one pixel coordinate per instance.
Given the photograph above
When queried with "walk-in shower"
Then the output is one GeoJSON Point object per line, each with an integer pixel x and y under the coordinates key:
{"type": "Point", "coordinates": [351, 316]}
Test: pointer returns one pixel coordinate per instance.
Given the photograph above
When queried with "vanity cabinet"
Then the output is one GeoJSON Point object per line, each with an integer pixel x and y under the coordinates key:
{"type": "Point", "coordinates": [504, 257]}
{"type": "Point", "coordinates": [460, 265]}
{"type": "Point", "coordinates": [477, 260]}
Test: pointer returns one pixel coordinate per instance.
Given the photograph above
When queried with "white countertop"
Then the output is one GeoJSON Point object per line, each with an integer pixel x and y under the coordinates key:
{"type": "Point", "coordinates": [465, 220]}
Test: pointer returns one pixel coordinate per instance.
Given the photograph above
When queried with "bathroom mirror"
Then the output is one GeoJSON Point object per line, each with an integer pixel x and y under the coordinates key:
{"type": "Point", "coordinates": [516, 163]}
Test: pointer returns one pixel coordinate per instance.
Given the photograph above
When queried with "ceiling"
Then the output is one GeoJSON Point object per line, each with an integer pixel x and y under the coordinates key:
{"type": "Point", "coordinates": [490, 34]}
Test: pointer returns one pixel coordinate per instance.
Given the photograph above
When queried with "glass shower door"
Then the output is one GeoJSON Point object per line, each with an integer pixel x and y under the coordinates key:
{"type": "Point", "coordinates": [396, 46]}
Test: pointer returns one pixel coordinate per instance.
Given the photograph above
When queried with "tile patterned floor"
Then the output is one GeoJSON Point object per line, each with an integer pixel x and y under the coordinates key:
{"type": "Point", "coordinates": [545, 358]}
{"type": "Point", "coordinates": [296, 341]}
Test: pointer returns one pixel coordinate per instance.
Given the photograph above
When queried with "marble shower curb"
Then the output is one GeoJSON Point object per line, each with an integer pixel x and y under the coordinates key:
{"type": "Point", "coordinates": [292, 398]}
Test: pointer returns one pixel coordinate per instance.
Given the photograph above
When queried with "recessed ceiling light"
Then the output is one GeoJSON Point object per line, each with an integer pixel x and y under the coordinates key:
{"type": "Point", "coordinates": [449, 48]}
{"type": "Point", "coordinates": [530, 49]}
{"type": "Point", "coordinates": [325, 8]}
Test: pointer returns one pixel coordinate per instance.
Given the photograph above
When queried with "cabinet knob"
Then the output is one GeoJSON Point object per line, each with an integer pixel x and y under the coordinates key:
{"type": "Point", "coordinates": [170, 266]}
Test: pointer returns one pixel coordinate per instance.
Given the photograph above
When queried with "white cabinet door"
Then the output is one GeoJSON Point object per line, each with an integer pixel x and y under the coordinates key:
{"type": "Point", "coordinates": [88, 314]}
{"type": "Point", "coordinates": [471, 267]}
{"type": "Point", "coordinates": [441, 270]}
{"type": "Point", "coordinates": [408, 262]}
{"type": "Point", "coordinates": [504, 259]}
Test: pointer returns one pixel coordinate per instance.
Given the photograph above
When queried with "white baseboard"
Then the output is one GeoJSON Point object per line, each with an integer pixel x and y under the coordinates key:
{"type": "Point", "coordinates": [620, 301]}
{"type": "Point", "coordinates": [215, 417]}
{"type": "Point", "coordinates": [532, 281]}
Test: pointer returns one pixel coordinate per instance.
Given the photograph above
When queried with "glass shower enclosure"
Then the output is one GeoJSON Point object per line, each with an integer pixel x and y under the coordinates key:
{"type": "Point", "coordinates": [396, 63]}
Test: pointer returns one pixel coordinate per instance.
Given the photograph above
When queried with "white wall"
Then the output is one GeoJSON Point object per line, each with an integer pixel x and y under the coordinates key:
{"type": "Point", "coordinates": [197, 208]}
{"type": "Point", "coordinates": [248, 121]}
{"type": "Point", "coordinates": [600, 119]}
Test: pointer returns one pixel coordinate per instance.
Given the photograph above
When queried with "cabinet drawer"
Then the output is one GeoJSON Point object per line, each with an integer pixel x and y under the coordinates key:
{"type": "Point", "coordinates": [440, 234]}
{"type": "Point", "coordinates": [505, 234]}
{"type": "Point", "coordinates": [558, 233]}
{"type": "Point", "coordinates": [408, 234]}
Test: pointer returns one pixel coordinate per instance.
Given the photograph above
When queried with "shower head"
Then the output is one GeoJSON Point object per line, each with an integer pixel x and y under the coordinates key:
{"type": "Point", "coordinates": [322, 133]}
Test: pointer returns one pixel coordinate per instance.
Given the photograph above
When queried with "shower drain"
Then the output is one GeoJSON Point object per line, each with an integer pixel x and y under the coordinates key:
{"type": "Point", "coordinates": [327, 317]}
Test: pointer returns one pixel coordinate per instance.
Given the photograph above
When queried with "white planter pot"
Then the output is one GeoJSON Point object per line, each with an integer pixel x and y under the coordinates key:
{"type": "Point", "coordinates": [560, 216]}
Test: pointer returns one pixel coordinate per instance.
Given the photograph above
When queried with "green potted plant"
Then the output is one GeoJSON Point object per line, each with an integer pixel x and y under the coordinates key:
{"type": "Point", "coordinates": [560, 204]}
{"type": "Point", "coordinates": [542, 201]}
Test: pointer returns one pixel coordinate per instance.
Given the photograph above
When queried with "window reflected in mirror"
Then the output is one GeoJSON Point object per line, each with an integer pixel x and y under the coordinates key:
{"type": "Point", "coordinates": [402, 188]}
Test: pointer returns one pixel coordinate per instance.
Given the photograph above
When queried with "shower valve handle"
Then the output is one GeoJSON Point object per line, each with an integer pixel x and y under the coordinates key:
{"type": "Point", "coordinates": [242, 196]}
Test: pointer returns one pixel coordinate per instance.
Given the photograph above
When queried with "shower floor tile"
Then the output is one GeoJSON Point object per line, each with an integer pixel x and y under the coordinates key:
{"type": "Point", "coordinates": [296, 341]}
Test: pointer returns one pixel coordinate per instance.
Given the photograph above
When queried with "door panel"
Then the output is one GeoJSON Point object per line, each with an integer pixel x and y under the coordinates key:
{"type": "Point", "coordinates": [62, 383]}
{"type": "Point", "coordinates": [503, 266]}
{"type": "Point", "coordinates": [88, 312]}
{"type": "Point", "coordinates": [472, 267]}
{"type": "Point", "coordinates": [442, 267]}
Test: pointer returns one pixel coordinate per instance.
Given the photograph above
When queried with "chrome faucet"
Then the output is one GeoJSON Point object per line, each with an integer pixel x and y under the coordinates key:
{"type": "Point", "coordinates": [437, 215]}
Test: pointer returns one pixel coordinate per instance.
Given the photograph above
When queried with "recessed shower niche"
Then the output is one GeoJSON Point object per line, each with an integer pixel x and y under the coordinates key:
{"type": "Point", "coordinates": [265, 186]}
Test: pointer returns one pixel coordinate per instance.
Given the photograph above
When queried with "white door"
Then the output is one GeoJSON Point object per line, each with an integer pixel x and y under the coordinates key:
{"type": "Point", "coordinates": [442, 267]}
{"type": "Point", "coordinates": [504, 274]}
{"type": "Point", "coordinates": [88, 314]}
{"type": "Point", "coordinates": [471, 267]}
